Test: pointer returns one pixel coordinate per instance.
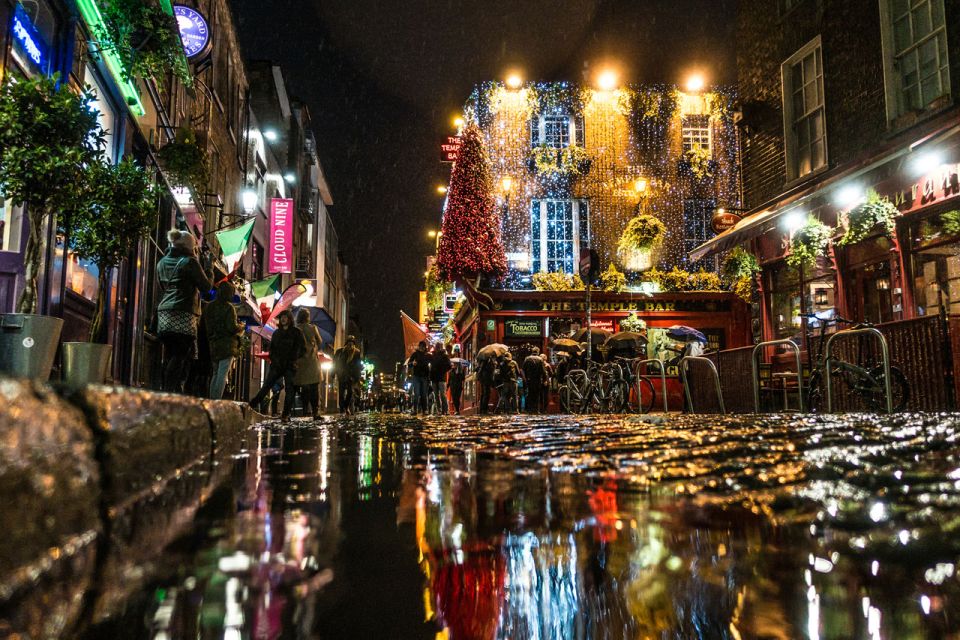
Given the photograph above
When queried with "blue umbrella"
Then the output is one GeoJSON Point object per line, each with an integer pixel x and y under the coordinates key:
{"type": "Point", "coordinates": [683, 333]}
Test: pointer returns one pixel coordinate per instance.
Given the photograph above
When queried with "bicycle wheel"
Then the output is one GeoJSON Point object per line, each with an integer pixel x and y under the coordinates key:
{"type": "Point", "coordinates": [646, 395]}
{"type": "Point", "coordinates": [816, 398]}
{"type": "Point", "coordinates": [875, 397]}
{"type": "Point", "coordinates": [563, 394]}
{"type": "Point", "coordinates": [618, 397]}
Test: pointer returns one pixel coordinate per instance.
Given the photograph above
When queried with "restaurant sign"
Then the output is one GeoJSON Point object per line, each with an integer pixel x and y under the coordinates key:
{"type": "Point", "coordinates": [723, 220]}
{"type": "Point", "coordinates": [194, 31]}
{"type": "Point", "coordinates": [450, 148]}
{"type": "Point", "coordinates": [933, 188]}
{"type": "Point", "coordinates": [28, 38]}
{"type": "Point", "coordinates": [522, 329]}
{"type": "Point", "coordinates": [646, 305]}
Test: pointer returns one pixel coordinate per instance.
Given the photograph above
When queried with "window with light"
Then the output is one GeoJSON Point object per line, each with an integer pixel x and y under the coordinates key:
{"type": "Point", "coordinates": [697, 215]}
{"type": "Point", "coordinates": [696, 134]}
{"type": "Point", "coordinates": [804, 113]}
{"type": "Point", "coordinates": [558, 229]}
{"type": "Point", "coordinates": [556, 130]}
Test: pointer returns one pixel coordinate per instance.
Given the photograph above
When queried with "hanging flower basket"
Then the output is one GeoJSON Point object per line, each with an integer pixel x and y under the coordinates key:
{"type": "Point", "coordinates": [568, 162]}
{"type": "Point", "coordinates": [809, 243]}
{"type": "Point", "coordinates": [643, 234]}
{"type": "Point", "coordinates": [861, 221]}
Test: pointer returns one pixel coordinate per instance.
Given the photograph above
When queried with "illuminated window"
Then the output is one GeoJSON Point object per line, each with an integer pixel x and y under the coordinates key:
{"type": "Point", "coordinates": [916, 64]}
{"type": "Point", "coordinates": [558, 229]}
{"type": "Point", "coordinates": [805, 133]}
{"type": "Point", "coordinates": [696, 134]}
{"type": "Point", "coordinates": [557, 130]}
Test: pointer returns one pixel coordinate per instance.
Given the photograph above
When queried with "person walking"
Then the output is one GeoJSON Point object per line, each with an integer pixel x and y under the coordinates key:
{"type": "Point", "coordinates": [535, 373]}
{"type": "Point", "coordinates": [347, 365]}
{"type": "Point", "coordinates": [307, 377]}
{"type": "Point", "coordinates": [509, 373]}
{"type": "Point", "coordinates": [439, 367]}
{"type": "Point", "coordinates": [455, 380]}
{"type": "Point", "coordinates": [486, 376]}
{"type": "Point", "coordinates": [182, 279]}
{"type": "Point", "coordinates": [419, 366]}
{"type": "Point", "coordinates": [287, 346]}
{"type": "Point", "coordinates": [223, 336]}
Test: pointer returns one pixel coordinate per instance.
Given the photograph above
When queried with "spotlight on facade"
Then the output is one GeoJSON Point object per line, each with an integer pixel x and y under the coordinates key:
{"type": "Point", "coordinates": [271, 135]}
{"type": "Point", "coordinates": [432, 233]}
{"type": "Point", "coordinates": [926, 162]}
{"type": "Point", "coordinates": [290, 177]}
{"type": "Point", "coordinates": [695, 83]}
{"type": "Point", "coordinates": [794, 220]}
{"type": "Point", "coordinates": [848, 196]}
{"type": "Point", "coordinates": [640, 186]}
{"type": "Point", "coordinates": [514, 81]}
{"type": "Point", "coordinates": [607, 80]}
{"type": "Point", "coordinates": [441, 189]}
{"type": "Point", "coordinates": [458, 122]}
{"type": "Point", "coordinates": [250, 200]}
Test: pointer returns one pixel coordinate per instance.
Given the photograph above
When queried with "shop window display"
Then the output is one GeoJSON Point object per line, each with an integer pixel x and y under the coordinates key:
{"type": "Point", "coordinates": [936, 270]}
{"type": "Point", "coordinates": [869, 277]}
{"type": "Point", "coordinates": [786, 306]}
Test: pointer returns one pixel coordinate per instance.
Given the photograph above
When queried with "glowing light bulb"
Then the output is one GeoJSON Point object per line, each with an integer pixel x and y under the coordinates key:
{"type": "Point", "coordinates": [514, 81]}
{"type": "Point", "coordinates": [607, 80]}
{"type": "Point", "coordinates": [695, 83]}
{"type": "Point", "coordinates": [640, 186]}
{"type": "Point", "coordinates": [271, 135]}
{"type": "Point", "coordinates": [441, 189]}
{"type": "Point", "coordinates": [458, 122]}
{"type": "Point", "coordinates": [506, 183]}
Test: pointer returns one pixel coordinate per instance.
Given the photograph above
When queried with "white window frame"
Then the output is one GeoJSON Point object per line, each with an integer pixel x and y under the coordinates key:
{"type": "Point", "coordinates": [685, 128]}
{"type": "Point", "coordinates": [542, 129]}
{"type": "Point", "coordinates": [540, 250]}
{"type": "Point", "coordinates": [789, 133]}
{"type": "Point", "coordinates": [892, 76]}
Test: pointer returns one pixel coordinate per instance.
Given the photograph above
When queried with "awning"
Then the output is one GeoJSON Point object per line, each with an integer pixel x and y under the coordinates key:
{"type": "Point", "coordinates": [326, 324]}
{"type": "Point", "coordinates": [750, 227]}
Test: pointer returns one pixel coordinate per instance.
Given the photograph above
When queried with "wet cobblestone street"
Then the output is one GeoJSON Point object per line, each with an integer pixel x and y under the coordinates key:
{"type": "Point", "coordinates": [570, 527]}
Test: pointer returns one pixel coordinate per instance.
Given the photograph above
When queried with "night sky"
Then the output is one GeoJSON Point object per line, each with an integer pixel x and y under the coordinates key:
{"type": "Point", "coordinates": [384, 79]}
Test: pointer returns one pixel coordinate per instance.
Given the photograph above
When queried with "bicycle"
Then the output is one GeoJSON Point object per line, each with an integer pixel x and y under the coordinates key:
{"type": "Point", "coordinates": [866, 380]}
{"type": "Point", "coordinates": [645, 391]}
{"type": "Point", "coordinates": [599, 389]}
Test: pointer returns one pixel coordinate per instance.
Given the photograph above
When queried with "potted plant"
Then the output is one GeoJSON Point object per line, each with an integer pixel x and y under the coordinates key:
{"type": "Point", "coordinates": [185, 162]}
{"type": "Point", "coordinates": [556, 281]}
{"type": "Point", "coordinates": [145, 38]}
{"type": "Point", "coordinates": [643, 234]}
{"type": "Point", "coordinates": [808, 243]}
{"type": "Point", "coordinates": [861, 221]}
{"type": "Point", "coordinates": [613, 280]}
{"type": "Point", "coordinates": [48, 136]}
{"type": "Point", "coordinates": [739, 270]}
{"type": "Point", "coordinates": [121, 211]}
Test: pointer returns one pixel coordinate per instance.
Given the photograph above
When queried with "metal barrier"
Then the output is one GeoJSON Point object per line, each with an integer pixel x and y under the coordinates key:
{"type": "Point", "coordinates": [663, 379]}
{"type": "Point", "coordinates": [686, 385]}
{"type": "Point", "coordinates": [756, 372]}
{"type": "Point", "coordinates": [884, 349]}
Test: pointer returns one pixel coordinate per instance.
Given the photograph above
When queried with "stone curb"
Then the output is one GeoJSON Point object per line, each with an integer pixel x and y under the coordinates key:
{"type": "Point", "coordinates": [78, 469]}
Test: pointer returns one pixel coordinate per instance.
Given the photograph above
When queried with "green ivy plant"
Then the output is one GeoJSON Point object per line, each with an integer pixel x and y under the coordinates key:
{"type": "Point", "coordinates": [568, 162]}
{"type": "Point", "coordinates": [738, 269]}
{"type": "Point", "coordinates": [643, 233]}
{"type": "Point", "coordinates": [184, 161]}
{"type": "Point", "coordinates": [435, 288]}
{"type": "Point", "coordinates": [950, 221]}
{"type": "Point", "coordinates": [613, 280]}
{"type": "Point", "coordinates": [809, 243]}
{"type": "Point", "coordinates": [863, 219]}
{"type": "Point", "coordinates": [122, 209]}
{"type": "Point", "coordinates": [701, 165]}
{"type": "Point", "coordinates": [145, 38]}
{"type": "Point", "coordinates": [556, 281]}
{"type": "Point", "coordinates": [48, 136]}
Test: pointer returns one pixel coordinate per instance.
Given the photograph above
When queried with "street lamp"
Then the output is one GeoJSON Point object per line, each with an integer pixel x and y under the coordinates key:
{"type": "Point", "coordinates": [270, 135]}
{"type": "Point", "coordinates": [458, 122]}
{"type": "Point", "coordinates": [695, 83]}
{"type": "Point", "coordinates": [250, 200]}
{"type": "Point", "coordinates": [514, 81]}
{"type": "Point", "coordinates": [640, 186]}
{"type": "Point", "coordinates": [507, 184]}
{"type": "Point", "coordinates": [290, 177]}
{"type": "Point", "coordinates": [441, 189]}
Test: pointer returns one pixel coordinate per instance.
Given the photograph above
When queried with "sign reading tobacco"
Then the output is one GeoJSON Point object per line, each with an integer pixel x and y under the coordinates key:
{"type": "Point", "coordinates": [522, 329]}
{"type": "Point", "coordinates": [450, 148]}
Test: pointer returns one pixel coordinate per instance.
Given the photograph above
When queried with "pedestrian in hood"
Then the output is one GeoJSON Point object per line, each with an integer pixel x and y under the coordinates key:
{"type": "Point", "coordinates": [286, 348]}
{"type": "Point", "coordinates": [439, 367]}
{"type": "Point", "coordinates": [535, 375]}
{"type": "Point", "coordinates": [307, 377]}
{"type": "Point", "coordinates": [455, 380]}
{"type": "Point", "coordinates": [223, 336]}
{"type": "Point", "coordinates": [182, 279]}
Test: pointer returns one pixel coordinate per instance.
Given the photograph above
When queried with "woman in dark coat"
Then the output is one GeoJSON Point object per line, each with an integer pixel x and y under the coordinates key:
{"type": "Point", "coordinates": [287, 346]}
{"type": "Point", "coordinates": [182, 280]}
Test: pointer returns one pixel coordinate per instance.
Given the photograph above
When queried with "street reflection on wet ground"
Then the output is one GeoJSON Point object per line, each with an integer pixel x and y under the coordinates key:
{"type": "Point", "coordinates": [561, 527]}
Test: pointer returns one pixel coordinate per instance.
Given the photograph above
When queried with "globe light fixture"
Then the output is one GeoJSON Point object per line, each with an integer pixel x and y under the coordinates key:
{"type": "Point", "coordinates": [250, 200]}
{"type": "Point", "coordinates": [506, 183]}
{"type": "Point", "coordinates": [640, 186]}
{"type": "Point", "coordinates": [270, 135]}
{"type": "Point", "coordinates": [514, 81]}
{"type": "Point", "coordinates": [607, 80]}
{"type": "Point", "coordinates": [441, 189]}
{"type": "Point", "coordinates": [695, 83]}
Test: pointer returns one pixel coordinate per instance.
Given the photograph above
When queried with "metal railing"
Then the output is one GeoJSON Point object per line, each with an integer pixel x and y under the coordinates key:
{"type": "Point", "coordinates": [756, 372]}
{"type": "Point", "coordinates": [885, 352]}
{"type": "Point", "coordinates": [663, 379]}
{"type": "Point", "coordinates": [686, 384]}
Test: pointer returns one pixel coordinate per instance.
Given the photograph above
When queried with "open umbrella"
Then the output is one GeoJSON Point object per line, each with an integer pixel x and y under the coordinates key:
{"type": "Point", "coordinates": [683, 333]}
{"type": "Point", "coordinates": [458, 361]}
{"type": "Point", "coordinates": [566, 345]}
{"type": "Point", "coordinates": [597, 336]}
{"type": "Point", "coordinates": [494, 350]}
{"type": "Point", "coordinates": [626, 340]}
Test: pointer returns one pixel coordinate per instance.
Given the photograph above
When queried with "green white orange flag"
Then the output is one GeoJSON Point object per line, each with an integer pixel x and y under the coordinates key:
{"type": "Point", "coordinates": [233, 243]}
{"type": "Point", "coordinates": [265, 290]}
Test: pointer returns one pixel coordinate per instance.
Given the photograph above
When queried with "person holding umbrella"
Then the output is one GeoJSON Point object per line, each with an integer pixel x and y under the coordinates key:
{"type": "Point", "coordinates": [487, 371]}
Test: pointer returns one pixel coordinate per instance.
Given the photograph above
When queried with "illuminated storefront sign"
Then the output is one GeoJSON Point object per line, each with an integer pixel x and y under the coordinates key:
{"type": "Point", "coordinates": [450, 148]}
{"type": "Point", "coordinates": [281, 235]}
{"type": "Point", "coordinates": [29, 39]}
{"type": "Point", "coordinates": [522, 329]}
{"type": "Point", "coordinates": [194, 32]}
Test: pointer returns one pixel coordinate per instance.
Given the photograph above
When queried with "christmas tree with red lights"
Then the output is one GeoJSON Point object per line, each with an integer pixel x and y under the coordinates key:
{"type": "Point", "coordinates": [470, 245]}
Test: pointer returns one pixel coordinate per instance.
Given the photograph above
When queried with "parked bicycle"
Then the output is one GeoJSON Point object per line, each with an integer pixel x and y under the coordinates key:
{"type": "Point", "coordinates": [597, 389]}
{"type": "Point", "coordinates": [864, 378]}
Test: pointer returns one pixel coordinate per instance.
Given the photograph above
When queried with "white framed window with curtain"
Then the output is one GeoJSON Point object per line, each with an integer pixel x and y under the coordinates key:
{"type": "Point", "coordinates": [558, 230]}
{"type": "Point", "coordinates": [696, 133]}
{"type": "Point", "coordinates": [804, 114]}
{"type": "Point", "coordinates": [557, 130]}
{"type": "Point", "coordinates": [915, 60]}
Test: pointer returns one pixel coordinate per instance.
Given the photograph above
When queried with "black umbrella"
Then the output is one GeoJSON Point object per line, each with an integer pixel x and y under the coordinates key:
{"type": "Point", "coordinates": [683, 333]}
{"type": "Point", "coordinates": [597, 336]}
{"type": "Point", "coordinates": [626, 340]}
{"type": "Point", "coordinates": [566, 345]}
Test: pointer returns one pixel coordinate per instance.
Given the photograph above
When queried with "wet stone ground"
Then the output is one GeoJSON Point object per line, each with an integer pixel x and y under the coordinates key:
{"type": "Point", "coordinates": [571, 527]}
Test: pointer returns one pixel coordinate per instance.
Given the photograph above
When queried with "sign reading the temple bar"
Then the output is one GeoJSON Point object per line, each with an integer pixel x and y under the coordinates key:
{"type": "Point", "coordinates": [450, 149]}
{"type": "Point", "coordinates": [281, 235]}
{"type": "Point", "coordinates": [723, 220]}
{"type": "Point", "coordinates": [194, 32]}
{"type": "Point", "coordinates": [522, 329]}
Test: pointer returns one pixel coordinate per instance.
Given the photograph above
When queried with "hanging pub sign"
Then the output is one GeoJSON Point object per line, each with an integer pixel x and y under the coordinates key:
{"type": "Point", "coordinates": [450, 148]}
{"type": "Point", "coordinates": [194, 31]}
{"type": "Point", "coordinates": [723, 220]}
{"type": "Point", "coordinates": [28, 38]}
{"type": "Point", "coordinates": [522, 329]}
{"type": "Point", "coordinates": [281, 235]}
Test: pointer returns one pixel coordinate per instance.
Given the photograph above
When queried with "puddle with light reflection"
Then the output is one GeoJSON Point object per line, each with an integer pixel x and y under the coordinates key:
{"type": "Point", "coordinates": [550, 528]}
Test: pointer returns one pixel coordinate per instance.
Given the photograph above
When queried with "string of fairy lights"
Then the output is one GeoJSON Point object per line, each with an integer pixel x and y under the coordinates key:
{"type": "Point", "coordinates": [617, 141]}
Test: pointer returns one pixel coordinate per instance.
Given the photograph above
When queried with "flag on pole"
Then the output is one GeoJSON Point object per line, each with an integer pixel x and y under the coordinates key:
{"type": "Point", "coordinates": [412, 333]}
{"type": "Point", "coordinates": [265, 290]}
{"type": "Point", "coordinates": [233, 243]}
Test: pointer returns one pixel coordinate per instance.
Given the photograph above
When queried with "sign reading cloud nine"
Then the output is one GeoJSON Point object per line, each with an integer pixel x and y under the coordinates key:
{"type": "Point", "coordinates": [281, 235]}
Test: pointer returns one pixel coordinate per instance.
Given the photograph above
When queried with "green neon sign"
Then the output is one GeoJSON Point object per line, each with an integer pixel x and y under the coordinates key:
{"type": "Point", "coordinates": [131, 94]}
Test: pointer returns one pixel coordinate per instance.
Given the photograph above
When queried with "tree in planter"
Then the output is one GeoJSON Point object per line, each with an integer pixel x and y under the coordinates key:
{"type": "Point", "coordinates": [808, 243]}
{"type": "Point", "coordinates": [145, 38]}
{"type": "Point", "coordinates": [643, 234]}
{"type": "Point", "coordinates": [121, 211]}
{"type": "Point", "coordinates": [48, 137]}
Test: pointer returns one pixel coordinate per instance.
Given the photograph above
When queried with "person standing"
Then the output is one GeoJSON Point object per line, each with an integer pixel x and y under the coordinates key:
{"type": "Point", "coordinates": [486, 376]}
{"type": "Point", "coordinates": [419, 365]}
{"type": "Point", "coordinates": [223, 336]}
{"type": "Point", "coordinates": [347, 364]}
{"type": "Point", "coordinates": [439, 367]}
{"type": "Point", "coordinates": [455, 379]}
{"type": "Point", "coordinates": [182, 279]}
{"type": "Point", "coordinates": [307, 377]}
{"type": "Point", "coordinates": [509, 373]}
{"type": "Point", "coordinates": [534, 372]}
{"type": "Point", "coordinates": [287, 346]}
